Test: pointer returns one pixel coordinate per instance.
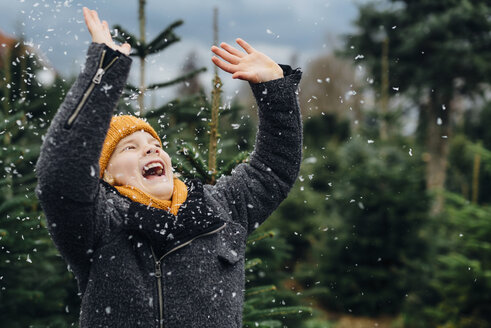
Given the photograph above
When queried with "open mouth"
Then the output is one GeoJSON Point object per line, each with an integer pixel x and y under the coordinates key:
{"type": "Point", "coordinates": [153, 170]}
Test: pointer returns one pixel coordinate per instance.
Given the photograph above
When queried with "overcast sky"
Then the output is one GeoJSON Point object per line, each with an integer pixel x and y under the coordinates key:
{"type": "Point", "coordinates": [280, 28]}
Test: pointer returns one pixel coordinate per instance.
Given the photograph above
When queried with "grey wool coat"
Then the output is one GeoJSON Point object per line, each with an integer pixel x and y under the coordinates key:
{"type": "Point", "coordinates": [138, 266]}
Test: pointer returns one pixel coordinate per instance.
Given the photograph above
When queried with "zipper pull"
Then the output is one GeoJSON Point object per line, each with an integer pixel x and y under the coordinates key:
{"type": "Point", "coordinates": [98, 76]}
{"type": "Point", "coordinates": [158, 271]}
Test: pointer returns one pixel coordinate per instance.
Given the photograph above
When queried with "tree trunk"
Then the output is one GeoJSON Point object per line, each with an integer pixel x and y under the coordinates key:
{"type": "Point", "coordinates": [141, 19]}
{"type": "Point", "coordinates": [215, 107]}
{"type": "Point", "coordinates": [384, 91]}
{"type": "Point", "coordinates": [438, 130]}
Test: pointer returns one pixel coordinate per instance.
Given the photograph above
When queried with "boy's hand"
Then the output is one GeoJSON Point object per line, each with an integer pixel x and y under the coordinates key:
{"type": "Point", "coordinates": [252, 66]}
{"type": "Point", "coordinates": [100, 31]}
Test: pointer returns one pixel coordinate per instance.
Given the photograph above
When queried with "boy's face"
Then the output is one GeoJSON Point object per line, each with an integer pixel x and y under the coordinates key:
{"type": "Point", "coordinates": [139, 161]}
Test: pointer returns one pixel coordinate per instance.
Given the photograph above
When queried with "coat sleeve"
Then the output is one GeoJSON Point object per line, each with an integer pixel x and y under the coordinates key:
{"type": "Point", "coordinates": [254, 190]}
{"type": "Point", "coordinates": [68, 166]}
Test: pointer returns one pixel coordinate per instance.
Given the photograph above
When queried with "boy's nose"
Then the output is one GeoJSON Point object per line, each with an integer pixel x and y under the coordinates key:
{"type": "Point", "coordinates": [153, 149]}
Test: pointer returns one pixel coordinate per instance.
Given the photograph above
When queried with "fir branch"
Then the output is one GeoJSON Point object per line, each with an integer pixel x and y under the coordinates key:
{"type": "Point", "coordinates": [164, 39]}
{"type": "Point", "coordinates": [10, 121]}
{"type": "Point", "coordinates": [264, 324]}
{"type": "Point", "coordinates": [242, 157]}
{"type": "Point", "coordinates": [176, 80]}
{"type": "Point", "coordinates": [252, 263]}
{"type": "Point", "coordinates": [184, 171]}
{"type": "Point", "coordinates": [257, 236]}
{"type": "Point", "coordinates": [131, 87]}
{"type": "Point", "coordinates": [300, 311]}
{"type": "Point", "coordinates": [259, 290]}
{"type": "Point", "coordinates": [15, 202]}
{"type": "Point", "coordinates": [193, 158]}
{"type": "Point", "coordinates": [125, 36]}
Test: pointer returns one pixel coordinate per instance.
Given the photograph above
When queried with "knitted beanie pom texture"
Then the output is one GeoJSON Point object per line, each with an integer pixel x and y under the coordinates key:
{"type": "Point", "coordinates": [120, 127]}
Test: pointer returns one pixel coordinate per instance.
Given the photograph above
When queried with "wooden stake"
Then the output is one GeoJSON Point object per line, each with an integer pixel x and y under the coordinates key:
{"type": "Point", "coordinates": [384, 96]}
{"type": "Point", "coordinates": [217, 90]}
{"type": "Point", "coordinates": [475, 178]}
{"type": "Point", "coordinates": [141, 18]}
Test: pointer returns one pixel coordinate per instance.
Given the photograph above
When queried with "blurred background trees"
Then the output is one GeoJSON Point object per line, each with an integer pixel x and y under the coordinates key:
{"type": "Point", "coordinates": [436, 52]}
{"type": "Point", "coordinates": [35, 287]}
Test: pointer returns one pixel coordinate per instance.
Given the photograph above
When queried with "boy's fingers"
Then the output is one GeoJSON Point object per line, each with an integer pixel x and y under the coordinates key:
{"type": "Point", "coordinates": [107, 32]}
{"type": "Point", "coordinates": [223, 65]}
{"type": "Point", "coordinates": [225, 55]}
{"type": "Point", "coordinates": [96, 17]}
{"type": "Point", "coordinates": [85, 10]}
{"type": "Point", "coordinates": [87, 17]}
{"type": "Point", "coordinates": [105, 27]}
{"type": "Point", "coordinates": [89, 21]}
{"type": "Point", "coordinates": [232, 50]}
{"type": "Point", "coordinates": [245, 45]}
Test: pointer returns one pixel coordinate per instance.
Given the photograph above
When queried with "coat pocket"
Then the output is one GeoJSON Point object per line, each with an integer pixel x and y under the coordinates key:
{"type": "Point", "coordinates": [231, 244]}
{"type": "Point", "coordinates": [228, 255]}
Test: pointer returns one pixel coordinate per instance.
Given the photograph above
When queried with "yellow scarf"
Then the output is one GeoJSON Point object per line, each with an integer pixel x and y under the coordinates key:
{"type": "Point", "coordinates": [179, 195]}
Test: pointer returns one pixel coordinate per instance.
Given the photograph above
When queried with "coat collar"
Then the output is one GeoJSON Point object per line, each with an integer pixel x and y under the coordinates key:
{"type": "Point", "coordinates": [166, 231]}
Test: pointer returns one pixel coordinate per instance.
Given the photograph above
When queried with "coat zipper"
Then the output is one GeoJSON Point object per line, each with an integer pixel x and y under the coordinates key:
{"type": "Point", "coordinates": [158, 275]}
{"type": "Point", "coordinates": [158, 270]}
{"type": "Point", "coordinates": [96, 79]}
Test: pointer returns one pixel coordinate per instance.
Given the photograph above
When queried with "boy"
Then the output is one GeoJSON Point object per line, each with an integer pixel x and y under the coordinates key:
{"type": "Point", "coordinates": [147, 249]}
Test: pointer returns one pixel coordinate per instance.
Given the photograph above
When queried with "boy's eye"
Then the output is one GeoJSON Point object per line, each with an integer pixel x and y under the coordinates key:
{"type": "Point", "coordinates": [128, 147]}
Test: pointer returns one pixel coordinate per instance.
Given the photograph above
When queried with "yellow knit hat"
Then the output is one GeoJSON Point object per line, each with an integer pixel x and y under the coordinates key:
{"type": "Point", "coordinates": [121, 127]}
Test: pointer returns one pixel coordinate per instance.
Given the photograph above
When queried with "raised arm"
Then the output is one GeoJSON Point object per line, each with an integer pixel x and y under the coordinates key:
{"type": "Point", "coordinates": [69, 159]}
{"type": "Point", "coordinates": [68, 165]}
{"type": "Point", "coordinates": [253, 191]}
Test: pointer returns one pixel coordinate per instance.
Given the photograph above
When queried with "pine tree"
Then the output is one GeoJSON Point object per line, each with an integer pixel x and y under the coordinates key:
{"type": "Point", "coordinates": [456, 288]}
{"type": "Point", "coordinates": [424, 43]}
{"type": "Point", "coordinates": [265, 305]}
{"type": "Point", "coordinates": [374, 241]}
{"type": "Point", "coordinates": [35, 286]}
{"type": "Point", "coordinates": [171, 117]}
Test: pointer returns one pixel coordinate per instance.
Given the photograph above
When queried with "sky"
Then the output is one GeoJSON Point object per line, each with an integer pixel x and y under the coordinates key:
{"type": "Point", "coordinates": [280, 28]}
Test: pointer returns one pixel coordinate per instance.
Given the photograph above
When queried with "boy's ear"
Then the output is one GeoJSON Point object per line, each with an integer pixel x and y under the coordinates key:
{"type": "Point", "coordinates": [108, 178]}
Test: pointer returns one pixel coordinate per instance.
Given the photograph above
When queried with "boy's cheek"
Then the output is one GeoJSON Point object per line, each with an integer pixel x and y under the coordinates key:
{"type": "Point", "coordinates": [126, 176]}
{"type": "Point", "coordinates": [169, 160]}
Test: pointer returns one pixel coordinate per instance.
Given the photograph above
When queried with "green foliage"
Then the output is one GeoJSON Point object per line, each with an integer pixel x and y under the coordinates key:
{"type": "Point", "coordinates": [193, 159]}
{"type": "Point", "coordinates": [265, 305]}
{"type": "Point", "coordinates": [161, 41]}
{"type": "Point", "coordinates": [464, 155]}
{"type": "Point", "coordinates": [458, 288]}
{"type": "Point", "coordinates": [427, 41]}
{"type": "Point", "coordinates": [36, 289]}
{"type": "Point", "coordinates": [183, 78]}
{"type": "Point", "coordinates": [373, 242]}
{"type": "Point", "coordinates": [318, 323]}
{"type": "Point", "coordinates": [476, 125]}
{"type": "Point", "coordinates": [332, 127]}
{"type": "Point", "coordinates": [268, 249]}
{"type": "Point", "coordinates": [471, 143]}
